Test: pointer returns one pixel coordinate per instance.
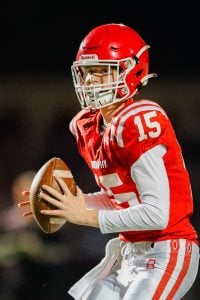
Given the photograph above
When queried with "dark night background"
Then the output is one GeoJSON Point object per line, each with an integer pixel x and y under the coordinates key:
{"type": "Point", "coordinates": [43, 38]}
{"type": "Point", "coordinates": [38, 43]}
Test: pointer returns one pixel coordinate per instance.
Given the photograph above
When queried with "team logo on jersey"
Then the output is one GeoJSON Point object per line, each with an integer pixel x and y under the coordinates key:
{"type": "Point", "coordinates": [150, 263]}
{"type": "Point", "coordinates": [99, 164]}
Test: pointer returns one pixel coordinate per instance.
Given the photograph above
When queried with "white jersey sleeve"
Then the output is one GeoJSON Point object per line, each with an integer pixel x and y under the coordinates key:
{"type": "Point", "coordinates": [150, 176]}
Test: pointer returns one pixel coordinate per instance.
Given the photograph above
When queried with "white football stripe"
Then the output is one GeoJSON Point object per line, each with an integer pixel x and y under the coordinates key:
{"type": "Point", "coordinates": [63, 173]}
{"type": "Point", "coordinates": [57, 220]}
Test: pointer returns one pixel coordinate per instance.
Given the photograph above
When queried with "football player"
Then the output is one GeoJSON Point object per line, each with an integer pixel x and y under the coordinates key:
{"type": "Point", "coordinates": [145, 192]}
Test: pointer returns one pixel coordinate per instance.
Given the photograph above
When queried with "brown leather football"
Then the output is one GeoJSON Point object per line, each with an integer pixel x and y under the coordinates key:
{"type": "Point", "coordinates": [45, 175]}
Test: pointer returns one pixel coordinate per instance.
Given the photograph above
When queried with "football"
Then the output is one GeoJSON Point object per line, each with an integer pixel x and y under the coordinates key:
{"type": "Point", "coordinates": [45, 175]}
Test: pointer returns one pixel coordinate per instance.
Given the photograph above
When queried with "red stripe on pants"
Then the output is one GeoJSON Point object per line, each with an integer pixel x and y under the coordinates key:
{"type": "Point", "coordinates": [174, 245]}
{"type": "Point", "coordinates": [186, 263]}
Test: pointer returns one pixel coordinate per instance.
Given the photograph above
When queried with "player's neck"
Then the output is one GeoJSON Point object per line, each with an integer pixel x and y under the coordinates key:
{"type": "Point", "coordinates": [109, 111]}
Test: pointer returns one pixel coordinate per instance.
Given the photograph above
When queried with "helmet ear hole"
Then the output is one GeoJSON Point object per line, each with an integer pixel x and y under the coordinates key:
{"type": "Point", "coordinates": [138, 73]}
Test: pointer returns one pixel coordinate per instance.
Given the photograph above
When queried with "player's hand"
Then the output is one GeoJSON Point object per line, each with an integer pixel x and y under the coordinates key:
{"type": "Point", "coordinates": [26, 204]}
{"type": "Point", "coordinates": [68, 206]}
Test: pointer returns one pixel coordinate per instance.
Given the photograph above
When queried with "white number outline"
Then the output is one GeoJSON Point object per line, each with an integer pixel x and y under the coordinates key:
{"type": "Point", "coordinates": [113, 180]}
{"type": "Point", "coordinates": [150, 124]}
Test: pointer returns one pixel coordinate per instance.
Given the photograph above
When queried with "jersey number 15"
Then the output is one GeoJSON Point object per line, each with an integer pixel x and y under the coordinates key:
{"type": "Point", "coordinates": [153, 126]}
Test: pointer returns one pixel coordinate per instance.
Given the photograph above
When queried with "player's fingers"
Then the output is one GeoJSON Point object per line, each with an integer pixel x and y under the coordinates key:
{"type": "Point", "coordinates": [79, 194]}
{"type": "Point", "coordinates": [78, 191]}
{"type": "Point", "coordinates": [25, 193]}
{"type": "Point", "coordinates": [63, 186]}
{"type": "Point", "coordinates": [51, 191]}
{"type": "Point", "coordinates": [24, 204]}
{"type": "Point", "coordinates": [51, 200]}
{"type": "Point", "coordinates": [51, 212]}
{"type": "Point", "coordinates": [28, 214]}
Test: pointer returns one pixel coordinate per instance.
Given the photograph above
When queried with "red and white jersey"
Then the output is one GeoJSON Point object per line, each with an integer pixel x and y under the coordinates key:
{"type": "Point", "coordinates": [115, 155]}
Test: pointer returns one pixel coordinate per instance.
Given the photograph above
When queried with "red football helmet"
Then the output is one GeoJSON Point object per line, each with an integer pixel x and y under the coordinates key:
{"type": "Point", "coordinates": [111, 46]}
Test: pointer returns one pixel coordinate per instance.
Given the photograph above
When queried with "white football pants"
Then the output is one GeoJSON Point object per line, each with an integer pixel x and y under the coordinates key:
{"type": "Point", "coordinates": [162, 270]}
